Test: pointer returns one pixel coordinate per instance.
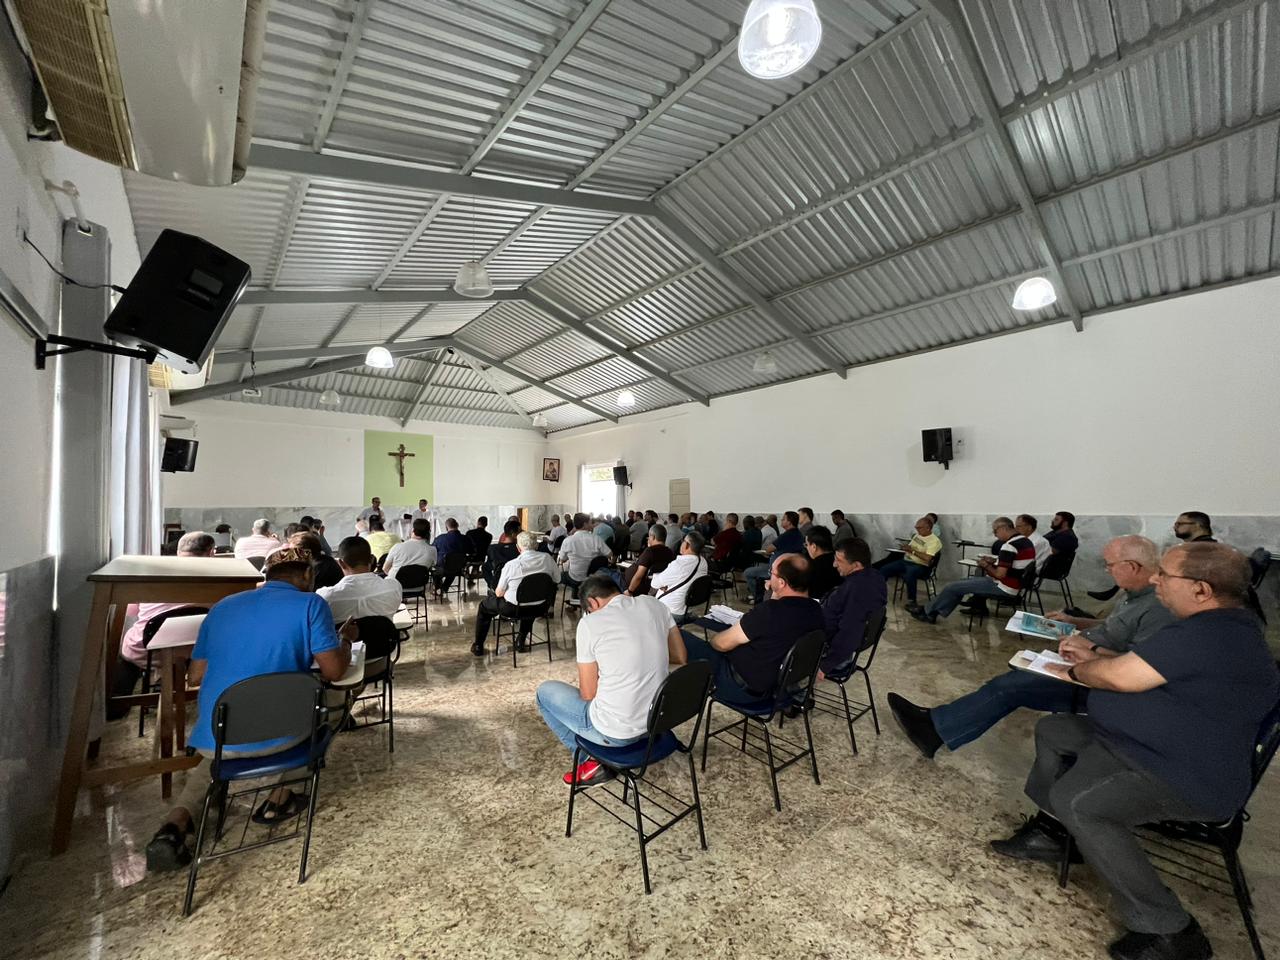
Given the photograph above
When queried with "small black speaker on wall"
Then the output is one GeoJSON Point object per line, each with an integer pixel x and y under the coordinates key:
{"type": "Point", "coordinates": [937, 446]}
{"type": "Point", "coordinates": [620, 476]}
{"type": "Point", "coordinates": [179, 455]}
{"type": "Point", "coordinates": [179, 300]}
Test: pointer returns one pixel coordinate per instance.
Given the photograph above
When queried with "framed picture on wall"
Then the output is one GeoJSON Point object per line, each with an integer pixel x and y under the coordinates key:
{"type": "Point", "coordinates": [550, 469]}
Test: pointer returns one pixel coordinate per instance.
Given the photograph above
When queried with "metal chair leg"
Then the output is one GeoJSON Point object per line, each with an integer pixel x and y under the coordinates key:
{"type": "Point", "coordinates": [195, 859]}
{"type": "Point", "coordinates": [773, 772]}
{"type": "Point", "coordinates": [311, 819]}
{"type": "Point", "coordinates": [573, 792]}
{"type": "Point", "coordinates": [848, 717]}
{"type": "Point", "coordinates": [871, 699]}
{"type": "Point", "coordinates": [389, 706]}
{"type": "Point", "coordinates": [706, 734]}
{"type": "Point", "coordinates": [813, 754]}
{"type": "Point", "coordinates": [644, 857]}
{"type": "Point", "coordinates": [1243, 899]}
{"type": "Point", "coordinates": [1064, 865]}
{"type": "Point", "coordinates": [697, 800]}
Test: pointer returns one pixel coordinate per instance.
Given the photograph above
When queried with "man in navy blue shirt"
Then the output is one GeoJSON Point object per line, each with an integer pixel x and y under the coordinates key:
{"type": "Point", "coordinates": [281, 627]}
{"type": "Point", "coordinates": [791, 540]}
{"type": "Point", "coordinates": [1169, 735]}
{"type": "Point", "coordinates": [451, 541]}
{"type": "Point", "coordinates": [861, 593]}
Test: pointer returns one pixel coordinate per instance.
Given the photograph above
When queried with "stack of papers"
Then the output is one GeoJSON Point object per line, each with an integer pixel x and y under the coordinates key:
{"type": "Point", "coordinates": [1039, 663]}
{"type": "Point", "coordinates": [725, 614]}
{"type": "Point", "coordinates": [1034, 625]}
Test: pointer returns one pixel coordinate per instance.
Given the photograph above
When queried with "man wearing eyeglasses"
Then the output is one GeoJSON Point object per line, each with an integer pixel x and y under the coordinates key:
{"type": "Point", "coordinates": [1131, 561]}
{"type": "Point", "coordinates": [1170, 735]}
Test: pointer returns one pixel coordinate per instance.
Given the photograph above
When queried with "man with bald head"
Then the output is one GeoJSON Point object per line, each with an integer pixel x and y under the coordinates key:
{"type": "Point", "coordinates": [1132, 562]}
{"type": "Point", "coordinates": [1169, 735]}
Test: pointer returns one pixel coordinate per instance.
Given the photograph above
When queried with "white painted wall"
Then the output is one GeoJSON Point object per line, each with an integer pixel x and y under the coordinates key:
{"type": "Point", "coordinates": [258, 456]}
{"type": "Point", "coordinates": [1151, 410]}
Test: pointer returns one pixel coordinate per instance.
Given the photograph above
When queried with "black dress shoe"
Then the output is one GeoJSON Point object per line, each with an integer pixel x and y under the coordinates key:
{"type": "Point", "coordinates": [1037, 840]}
{"type": "Point", "coordinates": [168, 850]}
{"type": "Point", "coordinates": [1189, 943]}
{"type": "Point", "coordinates": [477, 650]}
{"type": "Point", "coordinates": [1103, 594]}
{"type": "Point", "coordinates": [923, 616]}
{"type": "Point", "coordinates": [917, 723]}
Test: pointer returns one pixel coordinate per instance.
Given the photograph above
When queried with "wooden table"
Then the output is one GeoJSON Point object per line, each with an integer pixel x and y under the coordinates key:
{"type": "Point", "coordinates": [200, 581]}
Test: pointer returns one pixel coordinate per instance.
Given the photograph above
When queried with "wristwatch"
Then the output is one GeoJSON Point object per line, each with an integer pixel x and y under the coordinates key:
{"type": "Point", "coordinates": [1071, 672]}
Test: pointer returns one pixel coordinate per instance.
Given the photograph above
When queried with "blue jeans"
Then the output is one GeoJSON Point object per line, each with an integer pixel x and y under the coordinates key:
{"type": "Point", "coordinates": [569, 716]}
{"type": "Point", "coordinates": [966, 719]}
{"type": "Point", "coordinates": [949, 597]}
{"type": "Point", "coordinates": [728, 687]}
{"type": "Point", "coordinates": [909, 572]}
{"type": "Point", "coordinates": [756, 577]}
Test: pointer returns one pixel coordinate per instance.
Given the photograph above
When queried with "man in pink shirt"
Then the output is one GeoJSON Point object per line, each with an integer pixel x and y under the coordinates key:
{"type": "Point", "coordinates": [260, 543]}
{"type": "Point", "coordinates": [133, 655]}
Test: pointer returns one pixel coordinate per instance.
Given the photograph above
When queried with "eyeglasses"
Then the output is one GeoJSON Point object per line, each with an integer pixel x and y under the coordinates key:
{"type": "Point", "coordinates": [1184, 523]}
{"type": "Point", "coordinates": [1111, 563]}
{"type": "Point", "coordinates": [1164, 574]}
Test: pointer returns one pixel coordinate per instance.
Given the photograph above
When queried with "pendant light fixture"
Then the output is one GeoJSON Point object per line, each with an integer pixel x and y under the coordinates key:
{"type": "Point", "coordinates": [765, 363]}
{"type": "Point", "coordinates": [1034, 294]}
{"type": "Point", "coordinates": [540, 421]}
{"type": "Point", "coordinates": [626, 399]}
{"type": "Point", "coordinates": [473, 278]}
{"type": "Point", "coordinates": [778, 37]}
{"type": "Point", "coordinates": [379, 357]}
{"type": "Point", "coordinates": [330, 398]}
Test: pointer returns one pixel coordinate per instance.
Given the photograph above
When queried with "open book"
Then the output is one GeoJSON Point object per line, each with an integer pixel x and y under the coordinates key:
{"type": "Point", "coordinates": [1034, 662]}
{"type": "Point", "coordinates": [725, 614]}
{"type": "Point", "coordinates": [1034, 625]}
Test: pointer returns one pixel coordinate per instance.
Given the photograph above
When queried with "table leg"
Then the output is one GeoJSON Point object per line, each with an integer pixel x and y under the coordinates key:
{"type": "Point", "coordinates": [112, 651]}
{"type": "Point", "coordinates": [165, 726]}
{"type": "Point", "coordinates": [78, 730]}
{"type": "Point", "coordinates": [180, 702]}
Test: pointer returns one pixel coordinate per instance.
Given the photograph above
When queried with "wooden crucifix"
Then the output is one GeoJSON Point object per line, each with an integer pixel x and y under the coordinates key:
{"type": "Point", "coordinates": [400, 455]}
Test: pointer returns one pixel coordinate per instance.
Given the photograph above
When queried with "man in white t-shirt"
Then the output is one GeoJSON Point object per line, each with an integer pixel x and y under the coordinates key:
{"type": "Point", "coordinates": [1026, 525]}
{"type": "Point", "coordinates": [557, 529]}
{"type": "Point", "coordinates": [502, 600]}
{"type": "Point", "coordinates": [671, 586]}
{"type": "Point", "coordinates": [417, 551]}
{"type": "Point", "coordinates": [768, 531]}
{"type": "Point", "coordinates": [625, 646]}
{"type": "Point", "coordinates": [260, 543]}
{"type": "Point", "coordinates": [360, 592]}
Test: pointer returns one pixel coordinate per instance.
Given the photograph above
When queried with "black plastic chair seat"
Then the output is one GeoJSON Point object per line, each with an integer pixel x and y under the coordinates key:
{"type": "Point", "coordinates": [763, 707]}
{"type": "Point", "coordinates": [631, 755]}
{"type": "Point", "coordinates": [842, 673]}
{"type": "Point", "coordinates": [249, 768]}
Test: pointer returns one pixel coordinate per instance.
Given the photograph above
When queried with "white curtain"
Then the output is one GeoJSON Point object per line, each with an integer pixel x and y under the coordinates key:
{"type": "Point", "coordinates": [135, 460]}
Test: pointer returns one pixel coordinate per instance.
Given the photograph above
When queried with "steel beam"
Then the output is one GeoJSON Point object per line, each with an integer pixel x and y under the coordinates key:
{"type": "Point", "coordinates": [340, 74]}
{"type": "Point", "coordinates": [578, 326]}
{"type": "Point", "coordinates": [427, 383]}
{"type": "Point", "coordinates": [484, 375]}
{"type": "Point", "coordinates": [528, 380]}
{"type": "Point", "coordinates": [363, 295]}
{"type": "Point", "coordinates": [737, 280]}
{"type": "Point", "coordinates": [304, 372]}
{"type": "Point", "coordinates": [303, 352]}
{"type": "Point", "coordinates": [304, 163]}
{"type": "Point", "coordinates": [296, 203]}
{"type": "Point", "coordinates": [428, 218]}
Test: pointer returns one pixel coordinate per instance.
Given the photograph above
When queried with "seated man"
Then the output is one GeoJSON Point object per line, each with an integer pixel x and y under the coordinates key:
{"type": "Point", "coordinates": [675, 533]}
{"type": "Point", "coordinates": [791, 540]}
{"type": "Point", "coordinates": [1001, 576]}
{"type": "Point", "coordinates": [222, 538]}
{"type": "Point", "coordinates": [451, 541]}
{"type": "Point", "coordinates": [768, 530]}
{"type": "Point", "coordinates": [379, 540]}
{"type": "Point", "coordinates": [360, 592]}
{"type": "Point", "coordinates": [625, 646]}
{"type": "Point", "coordinates": [752, 538]}
{"type": "Point", "coordinates": [1132, 561]}
{"type": "Point", "coordinates": [414, 552]}
{"type": "Point", "coordinates": [501, 553]}
{"type": "Point", "coordinates": [916, 560]}
{"type": "Point", "coordinates": [638, 533]}
{"type": "Point", "coordinates": [671, 586]}
{"type": "Point", "coordinates": [373, 510]}
{"type": "Point", "coordinates": [529, 560]}
{"type": "Point", "coordinates": [326, 569]}
{"type": "Point", "coordinates": [1170, 735]}
{"type": "Point", "coordinates": [745, 658]}
{"type": "Point", "coordinates": [845, 610]}
{"type": "Point", "coordinates": [727, 542]}
{"type": "Point", "coordinates": [1062, 535]}
{"type": "Point", "coordinates": [656, 557]}
{"type": "Point", "coordinates": [133, 653]}
{"type": "Point", "coordinates": [806, 519]}
{"type": "Point", "coordinates": [481, 539]}
{"type": "Point", "coordinates": [282, 627]}
{"type": "Point", "coordinates": [843, 528]}
{"type": "Point", "coordinates": [1191, 526]}
{"type": "Point", "coordinates": [557, 529]}
{"type": "Point", "coordinates": [823, 576]}
{"type": "Point", "coordinates": [1026, 525]}
{"type": "Point", "coordinates": [259, 543]}
{"type": "Point", "coordinates": [577, 552]}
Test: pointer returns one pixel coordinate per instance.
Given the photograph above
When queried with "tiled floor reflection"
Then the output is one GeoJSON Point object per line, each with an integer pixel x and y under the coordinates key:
{"type": "Point", "coordinates": [455, 846]}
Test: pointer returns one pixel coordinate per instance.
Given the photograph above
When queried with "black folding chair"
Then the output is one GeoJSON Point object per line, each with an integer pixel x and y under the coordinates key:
{"type": "Point", "coordinates": [267, 707]}
{"type": "Point", "coordinates": [381, 639]}
{"type": "Point", "coordinates": [1016, 601]}
{"type": "Point", "coordinates": [148, 634]}
{"type": "Point", "coordinates": [413, 580]}
{"type": "Point", "coordinates": [793, 689]}
{"type": "Point", "coordinates": [453, 566]}
{"type": "Point", "coordinates": [569, 596]}
{"type": "Point", "coordinates": [852, 710]}
{"type": "Point", "coordinates": [699, 594]}
{"type": "Point", "coordinates": [1225, 837]}
{"type": "Point", "coordinates": [677, 701]}
{"type": "Point", "coordinates": [535, 599]}
{"type": "Point", "coordinates": [258, 562]}
{"type": "Point", "coordinates": [1056, 568]}
{"type": "Point", "coordinates": [930, 580]}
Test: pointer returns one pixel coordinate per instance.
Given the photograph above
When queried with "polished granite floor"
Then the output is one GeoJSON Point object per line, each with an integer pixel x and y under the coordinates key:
{"type": "Point", "coordinates": [454, 845]}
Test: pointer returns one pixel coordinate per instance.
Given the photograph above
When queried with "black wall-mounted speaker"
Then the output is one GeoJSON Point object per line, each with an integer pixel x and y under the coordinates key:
{"type": "Point", "coordinates": [936, 444]}
{"type": "Point", "coordinates": [179, 455]}
{"type": "Point", "coordinates": [620, 476]}
{"type": "Point", "coordinates": [179, 300]}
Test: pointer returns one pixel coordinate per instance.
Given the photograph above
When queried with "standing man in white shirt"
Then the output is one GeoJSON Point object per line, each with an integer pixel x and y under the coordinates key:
{"type": "Point", "coordinates": [373, 510]}
{"type": "Point", "coordinates": [577, 552]}
{"type": "Point", "coordinates": [625, 648]}
{"type": "Point", "coordinates": [258, 544]}
{"type": "Point", "coordinates": [417, 551]}
{"type": "Point", "coordinates": [529, 560]}
{"type": "Point", "coordinates": [360, 592]}
{"type": "Point", "coordinates": [671, 586]}
{"type": "Point", "coordinates": [424, 512]}
{"type": "Point", "coordinates": [1025, 524]}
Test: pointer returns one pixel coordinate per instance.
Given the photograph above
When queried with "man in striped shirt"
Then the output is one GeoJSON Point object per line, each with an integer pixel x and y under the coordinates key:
{"type": "Point", "coordinates": [1001, 575]}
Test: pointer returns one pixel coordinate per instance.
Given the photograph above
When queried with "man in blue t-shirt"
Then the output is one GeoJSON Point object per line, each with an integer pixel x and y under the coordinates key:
{"type": "Point", "coordinates": [791, 540]}
{"type": "Point", "coordinates": [1169, 735]}
{"type": "Point", "coordinates": [281, 627]}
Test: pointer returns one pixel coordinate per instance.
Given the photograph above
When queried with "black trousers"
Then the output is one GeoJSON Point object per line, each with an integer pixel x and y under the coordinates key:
{"type": "Point", "coordinates": [489, 609]}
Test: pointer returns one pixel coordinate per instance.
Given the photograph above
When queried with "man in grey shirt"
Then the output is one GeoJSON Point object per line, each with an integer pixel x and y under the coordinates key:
{"type": "Point", "coordinates": [1131, 561]}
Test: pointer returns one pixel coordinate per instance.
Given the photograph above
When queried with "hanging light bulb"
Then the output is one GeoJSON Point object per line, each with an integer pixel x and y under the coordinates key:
{"type": "Point", "coordinates": [765, 363]}
{"type": "Point", "coordinates": [1034, 294]}
{"type": "Point", "coordinates": [626, 399]}
{"type": "Point", "coordinates": [473, 280]}
{"type": "Point", "coordinates": [540, 420]}
{"type": "Point", "coordinates": [330, 398]}
{"type": "Point", "coordinates": [778, 37]}
{"type": "Point", "coordinates": [379, 358]}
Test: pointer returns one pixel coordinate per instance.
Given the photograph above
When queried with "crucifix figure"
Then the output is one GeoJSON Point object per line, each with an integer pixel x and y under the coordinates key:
{"type": "Point", "coordinates": [400, 455]}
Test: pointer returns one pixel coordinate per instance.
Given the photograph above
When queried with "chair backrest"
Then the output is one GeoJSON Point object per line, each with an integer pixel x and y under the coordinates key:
{"type": "Point", "coordinates": [155, 623]}
{"type": "Point", "coordinates": [536, 591]}
{"type": "Point", "coordinates": [379, 636]}
{"type": "Point", "coordinates": [557, 543]}
{"type": "Point", "coordinates": [413, 577]}
{"type": "Point", "coordinates": [380, 563]}
{"type": "Point", "coordinates": [872, 631]}
{"type": "Point", "coordinates": [679, 699]}
{"type": "Point", "coordinates": [271, 706]}
{"type": "Point", "coordinates": [799, 670]}
{"type": "Point", "coordinates": [257, 561]}
{"type": "Point", "coordinates": [700, 592]}
{"type": "Point", "coordinates": [597, 563]}
{"type": "Point", "coordinates": [454, 563]}
{"type": "Point", "coordinates": [1057, 566]}
{"type": "Point", "coordinates": [1259, 564]}
{"type": "Point", "coordinates": [1027, 576]}
{"type": "Point", "coordinates": [1266, 744]}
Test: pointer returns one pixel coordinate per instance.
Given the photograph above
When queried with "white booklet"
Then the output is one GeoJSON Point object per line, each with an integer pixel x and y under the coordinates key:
{"type": "Point", "coordinates": [1034, 625]}
{"type": "Point", "coordinates": [1039, 663]}
{"type": "Point", "coordinates": [725, 614]}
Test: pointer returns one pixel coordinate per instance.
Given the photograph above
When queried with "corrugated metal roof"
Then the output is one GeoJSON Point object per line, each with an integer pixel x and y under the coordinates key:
{"type": "Point", "coordinates": [864, 199]}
